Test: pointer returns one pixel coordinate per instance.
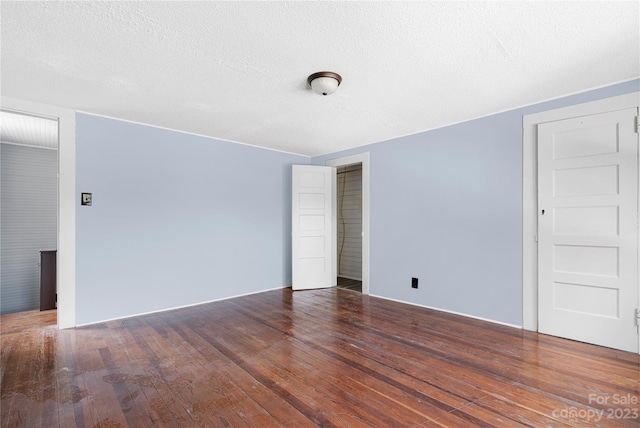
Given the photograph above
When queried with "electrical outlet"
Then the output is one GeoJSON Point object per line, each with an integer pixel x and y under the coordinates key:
{"type": "Point", "coordinates": [414, 282]}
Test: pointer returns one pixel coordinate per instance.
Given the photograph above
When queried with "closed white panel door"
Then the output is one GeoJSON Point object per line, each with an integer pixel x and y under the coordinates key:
{"type": "Point", "coordinates": [588, 229]}
{"type": "Point", "coordinates": [314, 227]}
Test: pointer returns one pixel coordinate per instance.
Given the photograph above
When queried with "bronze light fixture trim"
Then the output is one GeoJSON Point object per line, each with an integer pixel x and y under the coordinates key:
{"type": "Point", "coordinates": [324, 82]}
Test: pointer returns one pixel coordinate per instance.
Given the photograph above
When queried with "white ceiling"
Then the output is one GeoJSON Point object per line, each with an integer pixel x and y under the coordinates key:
{"type": "Point", "coordinates": [27, 130]}
{"type": "Point", "coordinates": [237, 70]}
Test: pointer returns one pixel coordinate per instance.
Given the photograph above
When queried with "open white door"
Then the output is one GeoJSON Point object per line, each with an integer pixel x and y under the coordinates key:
{"type": "Point", "coordinates": [313, 227]}
{"type": "Point", "coordinates": [588, 229]}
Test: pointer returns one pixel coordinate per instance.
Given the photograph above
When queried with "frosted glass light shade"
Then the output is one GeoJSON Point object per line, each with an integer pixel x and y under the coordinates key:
{"type": "Point", "coordinates": [324, 85]}
{"type": "Point", "coordinates": [324, 82]}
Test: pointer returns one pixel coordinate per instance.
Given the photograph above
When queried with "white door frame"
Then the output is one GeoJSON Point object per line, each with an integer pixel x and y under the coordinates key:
{"type": "Point", "coordinates": [362, 158]}
{"type": "Point", "coordinates": [530, 190]}
{"type": "Point", "coordinates": [66, 255]}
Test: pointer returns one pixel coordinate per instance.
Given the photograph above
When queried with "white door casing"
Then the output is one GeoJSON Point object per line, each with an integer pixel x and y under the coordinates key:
{"type": "Point", "coordinates": [66, 256]}
{"type": "Point", "coordinates": [588, 229]}
{"type": "Point", "coordinates": [313, 227]}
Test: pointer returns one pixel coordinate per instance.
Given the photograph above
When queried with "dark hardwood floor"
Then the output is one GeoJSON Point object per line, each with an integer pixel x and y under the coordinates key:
{"type": "Point", "coordinates": [350, 284]}
{"type": "Point", "coordinates": [326, 357]}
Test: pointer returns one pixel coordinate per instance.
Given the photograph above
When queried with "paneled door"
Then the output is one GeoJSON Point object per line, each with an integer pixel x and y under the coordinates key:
{"type": "Point", "coordinates": [588, 229]}
{"type": "Point", "coordinates": [313, 227]}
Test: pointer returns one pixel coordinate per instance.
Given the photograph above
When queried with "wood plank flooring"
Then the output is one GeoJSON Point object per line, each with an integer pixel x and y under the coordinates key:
{"type": "Point", "coordinates": [350, 284]}
{"type": "Point", "coordinates": [326, 357]}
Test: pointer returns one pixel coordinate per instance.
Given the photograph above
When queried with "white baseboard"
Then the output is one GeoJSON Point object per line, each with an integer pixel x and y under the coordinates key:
{"type": "Point", "coordinates": [450, 312]}
{"type": "Point", "coordinates": [180, 307]}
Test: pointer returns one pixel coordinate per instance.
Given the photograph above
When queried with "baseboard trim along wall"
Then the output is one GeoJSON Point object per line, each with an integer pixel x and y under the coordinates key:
{"type": "Point", "coordinates": [449, 312]}
{"type": "Point", "coordinates": [180, 307]}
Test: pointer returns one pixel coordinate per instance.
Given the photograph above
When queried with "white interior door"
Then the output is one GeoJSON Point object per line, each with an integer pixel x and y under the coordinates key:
{"type": "Point", "coordinates": [313, 227]}
{"type": "Point", "coordinates": [588, 229]}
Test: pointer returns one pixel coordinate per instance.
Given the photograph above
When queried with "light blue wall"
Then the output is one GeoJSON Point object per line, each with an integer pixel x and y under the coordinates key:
{"type": "Point", "coordinates": [176, 219]}
{"type": "Point", "coordinates": [446, 207]}
{"type": "Point", "coordinates": [179, 219]}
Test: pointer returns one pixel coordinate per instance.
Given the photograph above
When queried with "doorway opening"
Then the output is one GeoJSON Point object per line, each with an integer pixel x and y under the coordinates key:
{"type": "Point", "coordinates": [349, 226]}
{"type": "Point", "coordinates": [66, 203]}
{"type": "Point", "coordinates": [29, 211]}
{"type": "Point", "coordinates": [361, 159]}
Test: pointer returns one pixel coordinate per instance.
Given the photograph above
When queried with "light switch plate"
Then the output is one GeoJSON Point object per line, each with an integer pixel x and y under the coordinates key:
{"type": "Point", "coordinates": [86, 199]}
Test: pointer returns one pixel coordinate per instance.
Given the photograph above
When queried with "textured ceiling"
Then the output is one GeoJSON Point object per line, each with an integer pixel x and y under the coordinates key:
{"type": "Point", "coordinates": [237, 70]}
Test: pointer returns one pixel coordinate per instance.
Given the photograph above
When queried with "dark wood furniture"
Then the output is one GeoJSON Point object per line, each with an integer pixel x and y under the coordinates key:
{"type": "Point", "coordinates": [47, 280]}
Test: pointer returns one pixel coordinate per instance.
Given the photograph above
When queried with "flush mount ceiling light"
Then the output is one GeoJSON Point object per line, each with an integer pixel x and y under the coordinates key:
{"type": "Point", "coordinates": [324, 82]}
